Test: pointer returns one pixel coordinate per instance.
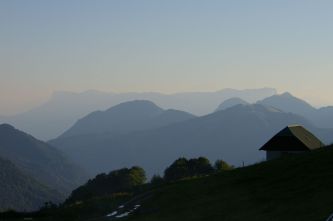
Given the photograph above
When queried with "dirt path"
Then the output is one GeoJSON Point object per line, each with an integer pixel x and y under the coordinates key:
{"type": "Point", "coordinates": [125, 207]}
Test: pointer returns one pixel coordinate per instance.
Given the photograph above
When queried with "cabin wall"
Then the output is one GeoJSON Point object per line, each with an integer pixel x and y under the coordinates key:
{"type": "Point", "coordinates": [270, 155]}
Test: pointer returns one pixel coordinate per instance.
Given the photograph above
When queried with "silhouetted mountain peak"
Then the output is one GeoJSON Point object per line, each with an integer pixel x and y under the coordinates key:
{"type": "Point", "coordinates": [253, 108]}
{"type": "Point", "coordinates": [125, 118]}
{"type": "Point", "coordinates": [10, 133]}
{"type": "Point", "coordinates": [142, 106]}
{"type": "Point", "coordinates": [230, 103]}
{"type": "Point", "coordinates": [6, 127]}
{"type": "Point", "coordinates": [288, 103]}
{"type": "Point", "coordinates": [286, 95]}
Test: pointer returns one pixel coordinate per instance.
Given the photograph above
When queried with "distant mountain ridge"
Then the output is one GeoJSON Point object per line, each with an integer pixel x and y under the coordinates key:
{"type": "Point", "coordinates": [125, 118]}
{"type": "Point", "coordinates": [288, 103]}
{"type": "Point", "coordinates": [39, 160]}
{"type": "Point", "coordinates": [230, 103]}
{"type": "Point", "coordinates": [321, 117]}
{"type": "Point", "coordinates": [52, 118]}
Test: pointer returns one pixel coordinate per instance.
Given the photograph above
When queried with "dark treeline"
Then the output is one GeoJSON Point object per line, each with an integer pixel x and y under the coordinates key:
{"type": "Point", "coordinates": [184, 168]}
{"type": "Point", "coordinates": [100, 194]}
{"type": "Point", "coordinates": [116, 181]}
{"type": "Point", "coordinates": [127, 180]}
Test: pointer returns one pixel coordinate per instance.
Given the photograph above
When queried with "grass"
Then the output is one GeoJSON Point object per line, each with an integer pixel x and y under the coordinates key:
{"type": "Point", "coordinates": [298, 187]}
{"type": "Point", "coordinates": [293, 188]}
{"type": "Point", "coordinates": [92, 209]}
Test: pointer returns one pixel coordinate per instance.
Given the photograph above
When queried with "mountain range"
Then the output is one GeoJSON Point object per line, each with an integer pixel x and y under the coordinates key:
{"type": "Point", "coordinates": [143, 133]}
{"type": "Point", "coordinates": [124, 118]}
{"type": "Point", "coordinates": [234, 134]}
{"type": "Point", "coordinates": [64, 108]}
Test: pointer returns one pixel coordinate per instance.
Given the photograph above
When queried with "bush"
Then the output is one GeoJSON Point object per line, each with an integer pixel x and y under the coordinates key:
{"type": "Point", "coordinates": [221, 165]}
{"type": "Point", "coordinates": [156, 180]}
{"type": "Point", "coordinates": [183, 168]}
{"type": "Point", "coordinates": [105, 184]}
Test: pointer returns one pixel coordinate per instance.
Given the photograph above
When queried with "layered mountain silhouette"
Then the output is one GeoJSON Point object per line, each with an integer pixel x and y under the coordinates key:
{"type": "Point", "coordinates": [234, 134]}
{"type": "Point", "coordinates": [230, 103]}
{"type": "Point", "coordinates": [321, 117]}
{"type": "Point", "coordinates": [288, 103]}
{"type": "Point", "coordinates": [44, 163]}
{"type": "Point", "coordinates": [21, 192]}
{"type": "Point", "coordinates": [64, 108]}
{"type": "Point", "coordinates": [324, 117]}
{"type": "Point", "coordinates": [126, 117]}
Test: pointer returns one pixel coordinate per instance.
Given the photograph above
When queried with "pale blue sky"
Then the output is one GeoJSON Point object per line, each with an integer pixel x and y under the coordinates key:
{"type": "Point", "coordinates": [167, 46]}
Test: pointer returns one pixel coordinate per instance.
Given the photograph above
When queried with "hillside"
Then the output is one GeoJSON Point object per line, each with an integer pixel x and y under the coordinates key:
{"type": "Point", "coordinates": [289, 189]}
{"type": "Point", "coordinates": [295, 187]}
{"type": "Point", "coordinates": [39, 160]}
{"type": "Point", "coordinates": [21, 192]}
{"type": "Point", "coordinates": [234, 135]}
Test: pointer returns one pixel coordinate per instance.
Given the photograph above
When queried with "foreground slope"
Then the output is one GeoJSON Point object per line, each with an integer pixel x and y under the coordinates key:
{"type": "Point", "coordinates": [20, 192]}
{"type": "Point", "coordinates": [293, 188]}
{"type": "Point", "coordinates": [39, 160]}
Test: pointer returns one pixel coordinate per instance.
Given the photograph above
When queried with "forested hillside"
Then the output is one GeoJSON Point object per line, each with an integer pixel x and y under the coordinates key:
{"type": "Point", "coordinates": [20, 192]}
{"type": "Point", "coordinates": [39, 160]}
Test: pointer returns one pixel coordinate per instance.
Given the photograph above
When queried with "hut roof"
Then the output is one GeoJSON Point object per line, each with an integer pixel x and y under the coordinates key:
{"type": "Point", "coordinates": [293, 138]}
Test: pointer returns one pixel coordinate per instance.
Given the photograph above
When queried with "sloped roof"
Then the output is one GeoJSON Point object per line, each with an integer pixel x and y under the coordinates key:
{"type": "Point", "coordinates": [293, 138]}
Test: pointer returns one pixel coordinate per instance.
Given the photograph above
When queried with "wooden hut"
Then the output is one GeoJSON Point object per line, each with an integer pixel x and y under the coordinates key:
{"type": "Point", "coordinates": [292, 139]}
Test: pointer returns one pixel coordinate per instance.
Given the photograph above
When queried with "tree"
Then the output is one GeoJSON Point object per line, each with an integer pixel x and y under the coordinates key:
{"type": "Point", "coordinates": [121, 180]}
{"type": "Point", "coordinates": [200, 166]}
{"type": "Point", "coordinates": [156, 180]}
{"type": "Point", "coordinates": [177, 170]}
{"type": "Point", "coordinates": [137, 176]}
{"type": "Point", "coordinates": [221, 165]}
{"type": "Point", "coordinates": [183, 168]}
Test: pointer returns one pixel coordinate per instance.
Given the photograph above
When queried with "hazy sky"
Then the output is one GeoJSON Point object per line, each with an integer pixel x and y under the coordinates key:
{"type": "Point", "coordinates": [164, 45]}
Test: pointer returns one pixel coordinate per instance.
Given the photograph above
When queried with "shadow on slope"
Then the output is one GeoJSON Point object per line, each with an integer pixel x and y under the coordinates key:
{"type": "Point", "coordinates": [292, 188]}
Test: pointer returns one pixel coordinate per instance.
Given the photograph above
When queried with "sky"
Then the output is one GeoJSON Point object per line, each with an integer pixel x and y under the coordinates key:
{"type": "Point", "coordinates": [164, 46]}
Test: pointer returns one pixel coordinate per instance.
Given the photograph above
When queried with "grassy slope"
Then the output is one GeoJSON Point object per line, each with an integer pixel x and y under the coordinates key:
{"type": "Point", "coordinates": [92, 209]}
{"type": "Point", "coordinates": [294, 188]}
